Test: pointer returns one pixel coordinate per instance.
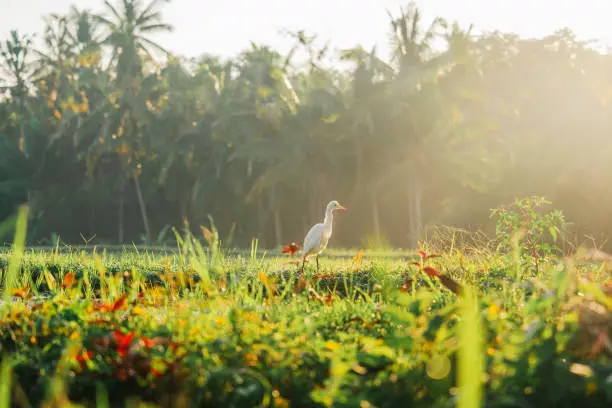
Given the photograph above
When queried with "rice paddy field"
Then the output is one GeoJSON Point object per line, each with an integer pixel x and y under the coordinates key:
{"type": "Point", "coordinates": [457, 322]}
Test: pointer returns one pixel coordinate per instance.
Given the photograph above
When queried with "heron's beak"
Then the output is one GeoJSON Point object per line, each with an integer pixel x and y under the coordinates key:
{"type": "Point", "coordinates": [341, 208]}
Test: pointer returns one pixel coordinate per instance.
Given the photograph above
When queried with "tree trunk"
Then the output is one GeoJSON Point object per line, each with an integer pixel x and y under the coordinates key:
{"type": "Point", "coordinates": [315, 201]}
{"type": "Point", "coordinates": [184, 208]}
{"type": "Point", "coordinates": [277, 221]}
{"type": "Point", "coordinates": [195, 193]}
{"type": "Point", "coordinates": [277, 227]}
{"type": "Point", "coordinates": [92, 216]}
{"type": "Point", "coordinates": [143, 211]}
{"type": "Point", "coordinates": [22, 114]}
{"type": "Point", "coordinates": [375, 214]}
{"type": "Point", "coordinates": [249, 168]}
{"type": "Point", "coordinates": [22, 142]}
{"type": "Point", "coordinates": [261, 215]}
{"type": "Point", "coordinates": [418, 214]}
{"type": "Point", "coordinates": [415, 198]}
{"type": "Point", "coordinates": [313, 216]}
{"type": "Point", "coordinates": [358, 186]}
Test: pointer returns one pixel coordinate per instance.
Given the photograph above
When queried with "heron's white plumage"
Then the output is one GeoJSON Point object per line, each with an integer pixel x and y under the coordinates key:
{"type": "Point", "coordinates": [318, 236]}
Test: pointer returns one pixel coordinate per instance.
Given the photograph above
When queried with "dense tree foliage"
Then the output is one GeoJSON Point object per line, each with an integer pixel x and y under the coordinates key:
{"type": "Point", "coordinates": [105, 133]}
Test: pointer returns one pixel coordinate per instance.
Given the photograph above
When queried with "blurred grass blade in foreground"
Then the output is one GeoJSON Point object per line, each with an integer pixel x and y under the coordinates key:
{"type": "Point", "coordinates": [470, 352]}
{"type": "Point", "coordinates": [5, 382]}
{"type": "Point", "coordinates": [16, 251]}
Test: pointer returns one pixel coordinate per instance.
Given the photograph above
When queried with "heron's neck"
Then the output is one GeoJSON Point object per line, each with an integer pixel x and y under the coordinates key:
{"type": "Point", "coordinates": [329, 218]}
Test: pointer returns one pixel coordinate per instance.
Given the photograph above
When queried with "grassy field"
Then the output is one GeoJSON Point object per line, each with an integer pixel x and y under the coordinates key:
{"type": "Point", "coordinates": [199, 326]}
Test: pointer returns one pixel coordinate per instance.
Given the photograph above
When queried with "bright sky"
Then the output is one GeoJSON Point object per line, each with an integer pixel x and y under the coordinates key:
{"type": "Point", "coordinates": [225, 27]}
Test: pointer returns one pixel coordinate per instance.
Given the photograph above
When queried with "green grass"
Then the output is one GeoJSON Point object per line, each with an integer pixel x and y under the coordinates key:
{"type": "Point", "coordinates": [196, 326]}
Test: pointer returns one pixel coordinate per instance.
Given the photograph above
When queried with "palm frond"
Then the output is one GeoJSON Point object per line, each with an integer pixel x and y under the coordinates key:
{"type": "Point", "coordinates": [103, 20]}
{"type": "Point", "coordinates": [147, 14]}
{"type": "Point", "coordinates": [154, 45]}
{"type": "Point", "coordinates": [113, 59]}
{"type": "Point", "coordinates": [413, 19]}
{"type": "Point", "coordinates": [380, 66]}
{"type": "Point", "coordinates": [431, 33]}
{"type": "Point", "coordinates": [113, 10]}
{"type": "Point", "coordinates": [42, 56]}
{"type": "Point", "coordinates": [152, 18]}
{"type": "Point", "coordinates": [156, 27]}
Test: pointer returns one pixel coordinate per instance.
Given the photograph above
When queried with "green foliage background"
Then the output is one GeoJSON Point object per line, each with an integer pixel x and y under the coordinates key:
{"type": "Point", "coordinates": [106, 135]}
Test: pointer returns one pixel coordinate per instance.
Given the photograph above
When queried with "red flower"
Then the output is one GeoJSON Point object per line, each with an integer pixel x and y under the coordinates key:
{"type": "Point", "coordinates": [406, 286]}
{"type": "Point", "coordinates": [156, 373]}
{"type": "Point", "coordinates": [431, 272]}
{"type": "Point", "coordinates": [290, 249]}
{"type": "Point", "coordinates": [123, 342]}
{"type": "Point", "coordinates": [425, 256]}
{"type": "Point", "coordinates": [83, 357]}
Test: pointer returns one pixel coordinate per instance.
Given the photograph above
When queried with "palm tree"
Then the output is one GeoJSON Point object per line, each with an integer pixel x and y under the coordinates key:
{"type": "Point", "coordinates": [128, 26]}
{"type": "Point", "coordinates": [397, 118]}
{"type": "Point", "coordinates": [71, 44]}
{"type": "Point", "coordinates": [366, 120]}
{"type": "Point", "coordinates": [86, 33]}
{"type": "Point", "coordinates": [59, 45]}
{"type": "Point", "coordinates": [34, 163]}
{"type": "Point", "coordinates": [421, 114]}
{"type": "Point", "coordinates": [189, 163]}
{"type": "Point", "coordinates": [15, 68]}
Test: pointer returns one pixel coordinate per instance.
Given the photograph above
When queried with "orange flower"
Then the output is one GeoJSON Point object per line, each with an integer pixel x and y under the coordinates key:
{"type": "Point", "coordinates": [68, 280]}
{"type": "Point", "coordinates": [22, 293]}
{"type": "Point", "coordinates": [118, 304]}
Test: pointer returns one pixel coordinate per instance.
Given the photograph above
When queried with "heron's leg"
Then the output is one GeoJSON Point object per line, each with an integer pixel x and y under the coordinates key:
{"type": "Point", "coordinates": [301, 270]}
{"type": "Point", "coordinates": [317, 263]}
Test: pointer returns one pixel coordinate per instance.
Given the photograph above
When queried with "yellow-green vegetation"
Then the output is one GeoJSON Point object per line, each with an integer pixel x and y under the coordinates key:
{"type": "Point", "coordinates": [199, 327]}
{"type": "Point", "coordinates": [111, 140]}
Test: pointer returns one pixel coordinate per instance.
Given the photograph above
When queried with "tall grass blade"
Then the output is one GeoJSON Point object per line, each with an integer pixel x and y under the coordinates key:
{"type": "Point", "coordinates": [471, 362]}
{"type": "Point", "coordinates": [101, 396]}
{"type": "Point", "coordinates": [16, 252]}
{"type": "Point", "coordinates": [5, 382]}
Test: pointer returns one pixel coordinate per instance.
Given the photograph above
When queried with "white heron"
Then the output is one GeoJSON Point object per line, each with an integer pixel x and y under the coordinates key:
{"type": "Point", "coordinates": [317, 238]}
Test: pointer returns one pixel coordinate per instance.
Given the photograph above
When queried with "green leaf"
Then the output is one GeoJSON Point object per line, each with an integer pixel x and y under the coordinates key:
{"type": "Point", "coordinates": [553, 233]}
